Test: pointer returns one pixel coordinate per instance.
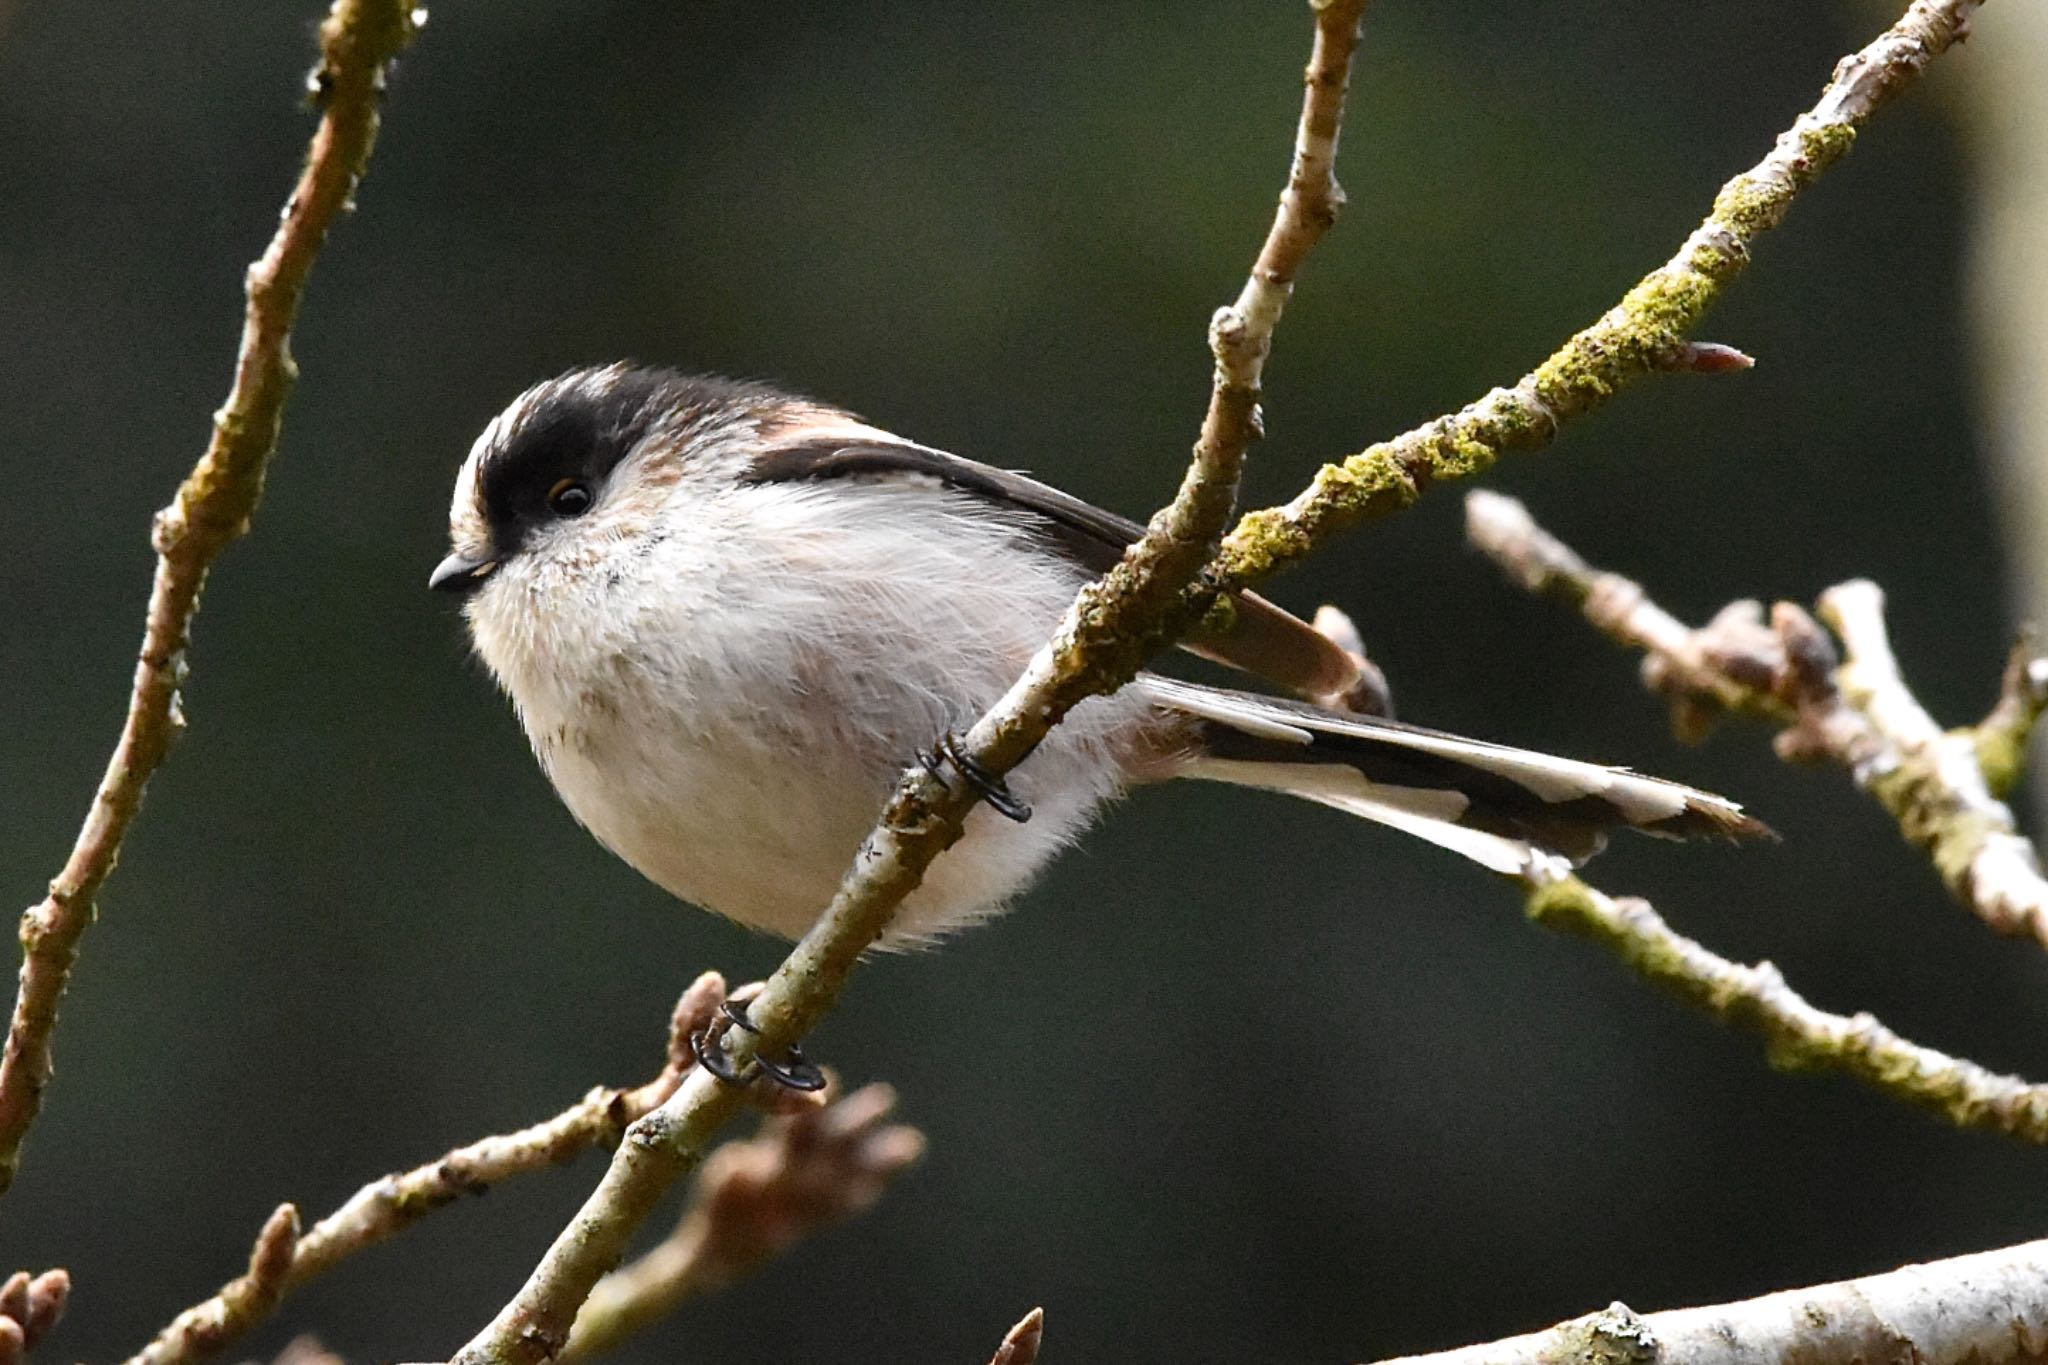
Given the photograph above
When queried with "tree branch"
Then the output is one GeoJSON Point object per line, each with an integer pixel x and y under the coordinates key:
{"type": "Point", "coordinates": [1797, 1036]}
{"type": "Point", "coordinates": [1644, 334]}
{"type": "Point", "coordinates": [1149, 599]}
{"type": "Point", "coordinates": [1020, 1343]}
{"type": "Point", "coordinates": [383, 1208]}
{"type": "Point", "coordinates": [358, 41]}
{"type": "Point", "coordinates": [753, 1200]}
{"type": "Point", "coordinates": [1089, 654]}
{"type": "Point", "coordinates": [1983, 1309]}
{"type": "Point", "coordinates": [1860, 715]}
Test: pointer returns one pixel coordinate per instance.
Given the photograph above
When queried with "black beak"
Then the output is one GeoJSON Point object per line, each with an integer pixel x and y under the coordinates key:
{"type": "Point", "coordinates": [460, 574]}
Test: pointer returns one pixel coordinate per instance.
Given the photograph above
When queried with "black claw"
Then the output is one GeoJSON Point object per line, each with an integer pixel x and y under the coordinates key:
{"type": "Point", "coordinates": [992, 788]}
{"type": "Point", "coordinates": [794, 1072]}
{"type": "Point", "coordinates": [704, 1047]}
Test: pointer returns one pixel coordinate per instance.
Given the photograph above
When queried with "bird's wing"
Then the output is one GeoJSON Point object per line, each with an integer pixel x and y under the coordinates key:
{"type": "Point", "coordinates": [1263, 640]}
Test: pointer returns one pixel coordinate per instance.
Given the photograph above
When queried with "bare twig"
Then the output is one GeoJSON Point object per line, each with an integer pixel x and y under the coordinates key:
{"type": "Point", "coordinates": [1092, 652]}
{"type": "Point", "coordinates": [1644, 334]}
{"type": "Point", "coordinates": [1797, 1036]}
{"type": "Point", "coordinates": [242, 1302]}
{"type": "Point", "coordinates": [1984, 1309]}
{"type": "Point", "coordinates": [30, 1307]}
{"type": "Point", "coordinates": [753, 1200]}
{"type": "Point", "coordinates": [357, 43]}
{"type": "Point", "coordinates": [385, 1207]}
{"type": "Point", "coordinates": [1020, 1343]}
{"type": "Point", "coordinates": [1858, 713]}
{"type": "Point", "coordinates": [1931, 781]}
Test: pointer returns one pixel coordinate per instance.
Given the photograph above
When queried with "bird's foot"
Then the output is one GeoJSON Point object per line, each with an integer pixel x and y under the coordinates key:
{"type": "Point", "coordinates": [991, 787]}
{"type": "Point", "coordinates": [794, 1072]}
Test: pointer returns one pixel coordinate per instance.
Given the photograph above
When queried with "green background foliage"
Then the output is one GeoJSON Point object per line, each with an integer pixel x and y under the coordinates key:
{"type": "Point", "coordinates": [1242, 1078]}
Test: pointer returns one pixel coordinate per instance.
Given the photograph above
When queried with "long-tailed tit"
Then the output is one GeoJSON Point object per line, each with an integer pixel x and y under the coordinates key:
{"type": "Point", "coordinates": [728, 617]}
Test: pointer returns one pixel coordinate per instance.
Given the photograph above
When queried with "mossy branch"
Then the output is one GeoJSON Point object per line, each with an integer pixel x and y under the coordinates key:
{"type": "Point", "coordinates": [358, 41]}
{"type": "Point", "coordinates": [1797, 1036]}
{"type": "Point", "coordinates": [754, 1199]}
{"type": "Point", "coordinates": [1644, 334]}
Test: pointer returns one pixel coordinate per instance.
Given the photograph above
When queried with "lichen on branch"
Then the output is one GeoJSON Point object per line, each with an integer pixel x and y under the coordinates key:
{"type": "Point", "coordinates": [1797, 1036]}
{"type": "Point", "coordinates": [1643, 334]}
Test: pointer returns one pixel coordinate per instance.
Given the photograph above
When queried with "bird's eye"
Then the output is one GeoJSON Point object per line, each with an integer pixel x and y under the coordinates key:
{"type": "Point", "coordinates": [569, 498]}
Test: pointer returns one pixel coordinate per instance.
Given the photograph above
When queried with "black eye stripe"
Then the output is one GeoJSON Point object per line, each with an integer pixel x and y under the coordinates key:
{"type": "Point", "coordinates": [577, 429]}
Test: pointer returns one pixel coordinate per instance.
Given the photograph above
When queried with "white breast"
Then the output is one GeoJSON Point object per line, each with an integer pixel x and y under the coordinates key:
{"type": "Point", "coordinates": [726, 704]}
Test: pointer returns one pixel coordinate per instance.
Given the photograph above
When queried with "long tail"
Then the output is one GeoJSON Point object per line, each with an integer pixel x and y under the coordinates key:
{"type": "Point", "coordinates": [1498, 806]}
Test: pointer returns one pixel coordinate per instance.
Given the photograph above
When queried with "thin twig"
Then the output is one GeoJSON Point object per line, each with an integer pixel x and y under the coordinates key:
{"type": "Point", "coordinates": [1857, 714]}
{"type": "Point", "coordinates": [2003, 734]}
{"type": "Point", "coordinates": [1983, 1309]}
{"type": "Point", "coordinates": [1797, 1036]}
{"type": "Point", "coordinates": [1644, 334]}
{"type": "Point", "coordinates": [30, 1306]}
{"type": "Point", "coordinates": [753, 1200]}
{"type": "Point", "coordinates": [1089, 654]}
{"type": "Point", "coordinates": [358, 41]}
{"type": "Point", "coordinates": [1931, 781]}
{"type": "Point", "coordinates": [1020, 1343]}
{"type": "Point", "coordinates": [386, 1207]}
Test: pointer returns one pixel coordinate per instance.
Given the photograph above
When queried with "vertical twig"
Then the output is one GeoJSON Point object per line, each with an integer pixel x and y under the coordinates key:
{"type": "Point", "coordinates": [357, 43]}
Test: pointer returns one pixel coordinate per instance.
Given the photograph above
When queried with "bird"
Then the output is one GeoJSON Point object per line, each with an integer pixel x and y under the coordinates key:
{"type": "Point", "coordinates": [728, 616]}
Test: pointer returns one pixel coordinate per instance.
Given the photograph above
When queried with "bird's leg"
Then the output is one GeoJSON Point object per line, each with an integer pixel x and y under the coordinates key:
{"type": "Point", "coordinates": [992, 788]}
{"type": "Point", "coordinates": [794, 1072]}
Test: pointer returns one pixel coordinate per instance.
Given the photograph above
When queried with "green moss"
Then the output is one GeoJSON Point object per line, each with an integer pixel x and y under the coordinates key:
{"type": "Point", "coordinates": [1567, 904]}
{"type": "Point", "coordinates": [1822, 145]}
{"type": "Point", "coordinates": [2001, 756]}
{"type": "Point", "coordinates": [1219, 617]}
{"type": "Point", "coordinates": [1748, 207]}
{"type": "Point", "coordinates": [1512, 423]}
{"type": "Point", "coordinates": [1454, 452]}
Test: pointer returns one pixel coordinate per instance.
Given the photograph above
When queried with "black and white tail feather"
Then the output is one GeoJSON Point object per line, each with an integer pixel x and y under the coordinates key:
{"type": "Point", "coordinates": [1499, 806]}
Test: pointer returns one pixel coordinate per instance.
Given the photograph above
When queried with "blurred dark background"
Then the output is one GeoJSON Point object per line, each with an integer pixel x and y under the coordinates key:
{"type": "Point", "coordinates": [353, 927]}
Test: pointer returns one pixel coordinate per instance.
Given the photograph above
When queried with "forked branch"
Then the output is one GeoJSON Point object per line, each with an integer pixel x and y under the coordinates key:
{"type": "Point", "coordinates": [1854, 711]}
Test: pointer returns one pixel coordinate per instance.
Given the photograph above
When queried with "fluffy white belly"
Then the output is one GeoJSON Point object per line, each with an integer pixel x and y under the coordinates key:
{"type": "Point", "coordinates": [735, 744]}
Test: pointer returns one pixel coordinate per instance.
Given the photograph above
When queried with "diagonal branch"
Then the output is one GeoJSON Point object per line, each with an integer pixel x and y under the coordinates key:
{"type": "Point", "coordinates": [753, 1200]}
{"type": "Point", "coordinates": [284, 1260]}
{"type": "Point", "coordinates": [1020, 1343]}
{"type": "Point", "coordinates": [1985, 1309]}
{"type": "Point", "coordinates": [1797, 1035]}
{"type": "Point", "coordinates": [1642, 335]}
{"type": "Point", "coordinates": [358, 42]}
{"type": "Point", "coordinates": [1091, 653]}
